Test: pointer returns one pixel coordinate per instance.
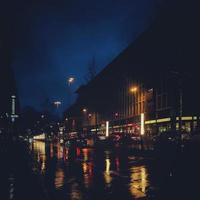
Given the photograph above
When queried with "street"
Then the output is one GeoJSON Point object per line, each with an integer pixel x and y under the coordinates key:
{"type": "Point", "coordinates": [93, 174]}
{"type": "Point", "coordinates": [110, 174]}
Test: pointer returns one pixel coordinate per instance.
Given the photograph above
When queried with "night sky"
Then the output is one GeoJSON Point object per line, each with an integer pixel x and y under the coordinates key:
{"type": "Point", "coordinates": [55, 39]}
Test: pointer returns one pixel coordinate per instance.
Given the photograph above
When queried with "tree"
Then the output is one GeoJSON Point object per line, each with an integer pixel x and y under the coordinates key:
{"type": "Point", "coordinates": [91, 70]}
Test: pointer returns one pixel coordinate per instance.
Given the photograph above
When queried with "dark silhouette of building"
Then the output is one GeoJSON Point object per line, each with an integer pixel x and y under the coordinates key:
{"type": "Point", "coordinates": [9, 104]}
{"type": "Point", "coordinates": [163, 64]}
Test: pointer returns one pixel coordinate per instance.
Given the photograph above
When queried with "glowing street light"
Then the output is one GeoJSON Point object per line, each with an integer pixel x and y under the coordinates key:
{"type": "Point", "coordinates": [84, 110]}
{"type": "Point", "coordinates": [57, 103]}
{"type": "Point", "coordinates": [70, 80]}
{"type": "Point", "coordinates": [133, 89]}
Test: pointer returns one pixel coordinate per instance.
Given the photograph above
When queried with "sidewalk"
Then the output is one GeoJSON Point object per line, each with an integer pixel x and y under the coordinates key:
{"type": "Point", "coordinates": [17, 178]}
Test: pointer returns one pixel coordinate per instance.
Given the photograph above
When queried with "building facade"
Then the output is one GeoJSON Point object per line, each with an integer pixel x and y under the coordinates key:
{"type": "Point", "coordinates": [157, 75]}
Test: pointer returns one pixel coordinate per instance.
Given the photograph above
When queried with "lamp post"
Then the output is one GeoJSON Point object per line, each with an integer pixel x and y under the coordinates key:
{"type": "Point", "coordinates": [70, 81]}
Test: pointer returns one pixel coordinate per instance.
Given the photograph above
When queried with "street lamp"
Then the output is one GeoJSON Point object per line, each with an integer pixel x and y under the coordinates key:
{"type": "Point", "coordinates": [57, 103]}
{"type": "Point", "coordinates": [70, 80]}
{"type": "Point", "coordinates": [84, 110]}
{"type": "Point", "coordinates": [133, 89]}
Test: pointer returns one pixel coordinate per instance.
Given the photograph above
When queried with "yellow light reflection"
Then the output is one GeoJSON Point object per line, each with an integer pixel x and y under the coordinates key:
{"type": "Point", "coordinates": [85, 154]}
{"type": "Point", "coordinates": [107, 166]}
{"type": "Point", "coordinates": [39, 150]}
{"type": "Point", "coordinates": [87, 174]}
{"type": "Point", "coordinates": [60, 151]}
{"type": "Point", "coordinates": [76, 192]}
{"type": "Point", "coordinates": [139, 181]}
{"type": "Point", "coordinates": [107, 175]}
{"type": "Point", "coordinates": [85, 168]}
{"type": "Point", "coordinates": [59, 178]}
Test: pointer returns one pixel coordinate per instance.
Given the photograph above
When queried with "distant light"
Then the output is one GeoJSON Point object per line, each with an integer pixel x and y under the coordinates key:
{"type": "Point", "coordinates": [163, 120]}
{"type": "Point", "coordinates": [61, 141]}
{"type": "Point", "coordinates": [186, 118]}
{"type": "Point", "coordinates": [66, 119]}
{"type": "Point", "coordinates": [150, 122]}
{"type": "Point", "coordinates": [90, 115]}
{"type": "Point", "coordinates": [142, 124]}
{"type": "Point", "coordinates": [42, 116]}
{"type": "Point", "coordinates": [71, 80]}
{"type": "Point", "coordinates": [116, 114]}
{"type": "Point", "coordinates": [84, 110]}
{"type": "Point", "coordinates": [134, 89]}
{"type": "Point", "coordinates": [57, 103]}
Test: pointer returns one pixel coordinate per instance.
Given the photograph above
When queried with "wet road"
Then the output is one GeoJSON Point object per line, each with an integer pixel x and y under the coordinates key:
{"type": "Point", "coordinates": [43, 171]}
{"type": "Point", "coordinates": [105, 174]}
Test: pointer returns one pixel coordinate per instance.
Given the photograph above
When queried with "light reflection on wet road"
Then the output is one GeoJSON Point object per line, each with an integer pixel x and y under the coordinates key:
{"type": "Point", "coordinates": [91, 175]}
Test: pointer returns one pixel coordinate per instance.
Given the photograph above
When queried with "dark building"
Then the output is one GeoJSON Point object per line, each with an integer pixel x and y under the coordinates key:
{"type": "Point", "coordinates": [158, 75]}
{"type": "Point", "coordinates": [9, 104]}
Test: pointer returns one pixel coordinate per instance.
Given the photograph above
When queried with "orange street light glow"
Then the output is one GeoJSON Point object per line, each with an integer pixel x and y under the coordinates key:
{"type": "Point", "coordinates": [134, 89]}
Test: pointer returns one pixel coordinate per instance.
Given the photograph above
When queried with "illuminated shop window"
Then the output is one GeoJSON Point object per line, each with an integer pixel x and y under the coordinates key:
{"type": "Point", "coordinates": [187, 126]}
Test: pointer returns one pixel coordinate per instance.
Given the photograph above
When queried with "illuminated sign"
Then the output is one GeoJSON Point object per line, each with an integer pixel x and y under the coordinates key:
{"type": "Point", "coordinates": [150, 122]}
{"type": "Point", "coordinates": [164, 120]}
{"type": "Point", "coordinates": [107, 128]}
{"type": "Point", "coordinates": [142, 124]}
